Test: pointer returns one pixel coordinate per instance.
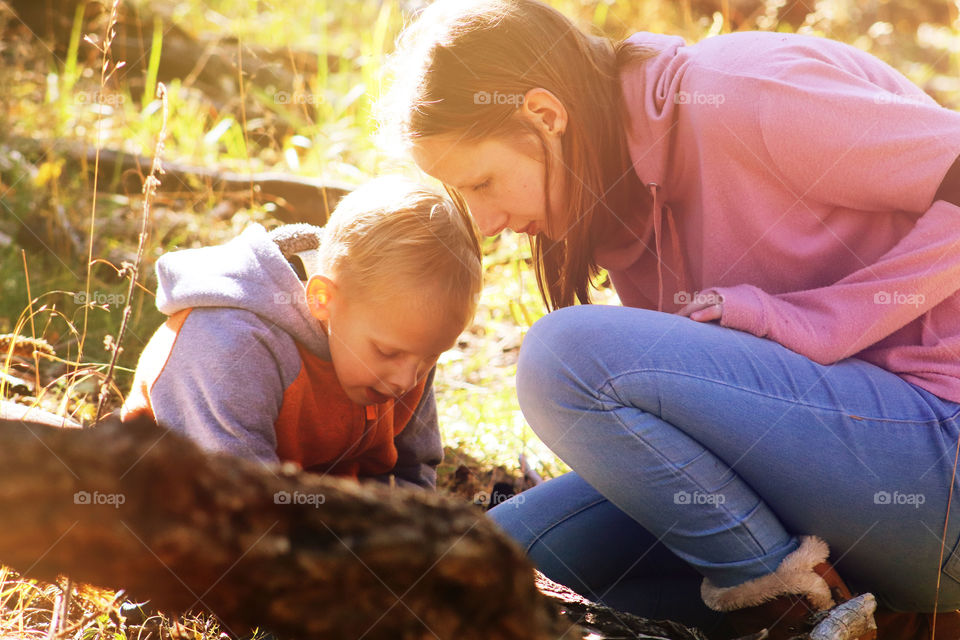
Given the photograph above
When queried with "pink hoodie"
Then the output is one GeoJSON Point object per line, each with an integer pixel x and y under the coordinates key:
{"type": "Point", "coordinates": [797, 174]}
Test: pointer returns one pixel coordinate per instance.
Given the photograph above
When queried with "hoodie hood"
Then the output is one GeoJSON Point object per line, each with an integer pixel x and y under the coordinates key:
{"type": "Point", "coordinates": [249, 272]}
{"type": "Point", "coordinates": [652, 94]}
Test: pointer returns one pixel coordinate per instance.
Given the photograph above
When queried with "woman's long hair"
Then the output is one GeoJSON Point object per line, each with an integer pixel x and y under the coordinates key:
{"type": "Point", "coordinates": [461, 68]}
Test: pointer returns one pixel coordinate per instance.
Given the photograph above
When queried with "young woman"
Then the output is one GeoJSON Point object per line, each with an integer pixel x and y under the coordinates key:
{"type": "Point", "coordinates": [779, 215]}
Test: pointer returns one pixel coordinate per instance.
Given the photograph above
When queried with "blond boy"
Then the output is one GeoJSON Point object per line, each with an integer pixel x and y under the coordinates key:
{"type": "Point", "coordinates": [317, 346]}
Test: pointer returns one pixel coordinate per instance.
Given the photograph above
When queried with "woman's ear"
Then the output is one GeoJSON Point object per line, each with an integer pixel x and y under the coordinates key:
{"type": "Point", "coordinates": [320, 291]}
{"type": "Point", "coordinates": [545, 111]}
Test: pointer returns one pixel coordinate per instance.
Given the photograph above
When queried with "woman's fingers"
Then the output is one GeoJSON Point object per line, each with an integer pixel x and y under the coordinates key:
{"type": "Point", "coordinates": [705, 307]}
{"type": "Point", "coordinates": [708, 314]}
{"type": "Point", "coordinates": [696, 305]}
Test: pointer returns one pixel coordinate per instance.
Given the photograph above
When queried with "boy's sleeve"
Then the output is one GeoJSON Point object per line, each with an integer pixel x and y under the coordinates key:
{"type": "Point", "coordinates": [419, 447]}
{"type": "Point", "coordinates": [222, 384]}
{"type": "Point", "coordinates": [833, 137]}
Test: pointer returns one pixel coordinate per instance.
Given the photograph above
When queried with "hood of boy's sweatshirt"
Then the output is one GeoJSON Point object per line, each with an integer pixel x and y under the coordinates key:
{"type": "Point", "coordinates": [651, 90]}
{"type": "Point", "coordinates": [248, 272]}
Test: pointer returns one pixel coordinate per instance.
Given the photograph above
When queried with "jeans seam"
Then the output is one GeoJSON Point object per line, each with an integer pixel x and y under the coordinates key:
{"type": "Point", "coordinates": [694, 481]}
{"type": "Point", "coordinates": [609, 383]}
{"type": "Point", "coordinates": [566, 516]}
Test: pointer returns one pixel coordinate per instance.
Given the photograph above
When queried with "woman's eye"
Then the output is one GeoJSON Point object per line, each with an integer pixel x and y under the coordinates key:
{"type": "Point", "coordinates": [483, 185]}
{"type": "Point", "coordinates": [385, 354]}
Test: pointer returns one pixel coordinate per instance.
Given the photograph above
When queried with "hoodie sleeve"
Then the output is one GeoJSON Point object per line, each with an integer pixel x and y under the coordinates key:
{"type": "Point", "coordinates": [419, 446]}
{"type": "Point", "coordinates": [867, 141]}
{"type": "Point", "coordinates": [223, 382]}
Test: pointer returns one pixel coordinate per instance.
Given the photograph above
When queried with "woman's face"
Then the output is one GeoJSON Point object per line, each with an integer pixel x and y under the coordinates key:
{"type": "Point", "coordinates": [502, 180]}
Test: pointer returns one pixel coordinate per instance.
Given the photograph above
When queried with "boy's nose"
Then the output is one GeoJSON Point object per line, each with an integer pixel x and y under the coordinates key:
{"type": "Point", "coordinates": [403, 378]}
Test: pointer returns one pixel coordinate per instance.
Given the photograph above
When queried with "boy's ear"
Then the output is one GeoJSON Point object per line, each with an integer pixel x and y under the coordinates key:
{"type": "Point", "coordinates": [320, 291]}
{"type": "Point", "coordinates": [545, 111]}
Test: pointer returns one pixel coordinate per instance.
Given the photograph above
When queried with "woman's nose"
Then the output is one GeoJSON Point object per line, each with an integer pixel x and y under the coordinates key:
{"type": "Point", "coordinates": [488, 220]}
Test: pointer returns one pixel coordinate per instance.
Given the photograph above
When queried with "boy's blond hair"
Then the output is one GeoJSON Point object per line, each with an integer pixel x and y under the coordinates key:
{"type": "Point", "coordinates": [393, 236]}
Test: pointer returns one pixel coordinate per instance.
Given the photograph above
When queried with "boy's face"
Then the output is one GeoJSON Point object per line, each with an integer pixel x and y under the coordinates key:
{"type": "Point", "coordinates": [382, 347]}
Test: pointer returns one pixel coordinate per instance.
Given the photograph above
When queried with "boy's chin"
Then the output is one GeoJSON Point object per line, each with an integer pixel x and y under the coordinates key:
{"type": "Point", "coordinates": [365, 396]}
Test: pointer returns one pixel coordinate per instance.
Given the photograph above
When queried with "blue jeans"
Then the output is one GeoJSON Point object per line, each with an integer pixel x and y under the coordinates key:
{"type": "Point", "coordinates": [699, 450]}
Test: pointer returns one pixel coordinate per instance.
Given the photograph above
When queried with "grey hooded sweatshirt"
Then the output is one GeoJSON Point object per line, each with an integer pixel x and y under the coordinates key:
{"type": "Point", "coordinates": [241, 366]}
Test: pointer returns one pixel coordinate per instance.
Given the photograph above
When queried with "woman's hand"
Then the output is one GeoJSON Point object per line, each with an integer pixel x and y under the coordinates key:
{"type": "Point", "coordinates": [705, 308]}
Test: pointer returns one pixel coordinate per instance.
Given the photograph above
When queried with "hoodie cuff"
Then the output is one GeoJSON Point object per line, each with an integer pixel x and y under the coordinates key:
{"type": "Point", "coordinates": [743, 309]}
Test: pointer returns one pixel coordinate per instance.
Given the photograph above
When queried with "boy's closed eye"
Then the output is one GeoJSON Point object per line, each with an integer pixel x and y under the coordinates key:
{"type": "Point", "coordinates": [386, 352]}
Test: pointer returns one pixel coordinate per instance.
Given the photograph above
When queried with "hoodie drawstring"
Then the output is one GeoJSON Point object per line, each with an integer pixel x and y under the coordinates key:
{"type": "Point", "coordinates": [657, 215]}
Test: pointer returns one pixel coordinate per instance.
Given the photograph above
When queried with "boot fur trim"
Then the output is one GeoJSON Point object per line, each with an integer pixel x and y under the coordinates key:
{"type": "Point", "coordinates": [794, 576]}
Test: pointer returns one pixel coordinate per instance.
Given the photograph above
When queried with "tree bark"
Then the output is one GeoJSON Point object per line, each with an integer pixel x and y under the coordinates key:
{"type": "Point", "coordinates": [137, 507]}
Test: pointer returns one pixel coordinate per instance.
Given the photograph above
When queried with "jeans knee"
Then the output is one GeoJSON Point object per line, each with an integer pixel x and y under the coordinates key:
{"type": "Point", "coordinates": [546, 369]}
{"type": "Point", "coordinates": [542, 354]}
{"type": "Point", "coordinates": [510, 520]}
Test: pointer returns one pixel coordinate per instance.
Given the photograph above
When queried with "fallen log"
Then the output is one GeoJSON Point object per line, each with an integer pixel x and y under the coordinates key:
{"type": "Point", "coordinates": [604, 622]}
{"type": "Point", "coordinates": [11, 411]}
{"type": "Point", "coordinates": [137, 507]}
{"type": "Point", "coordinates": [296, 198]}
